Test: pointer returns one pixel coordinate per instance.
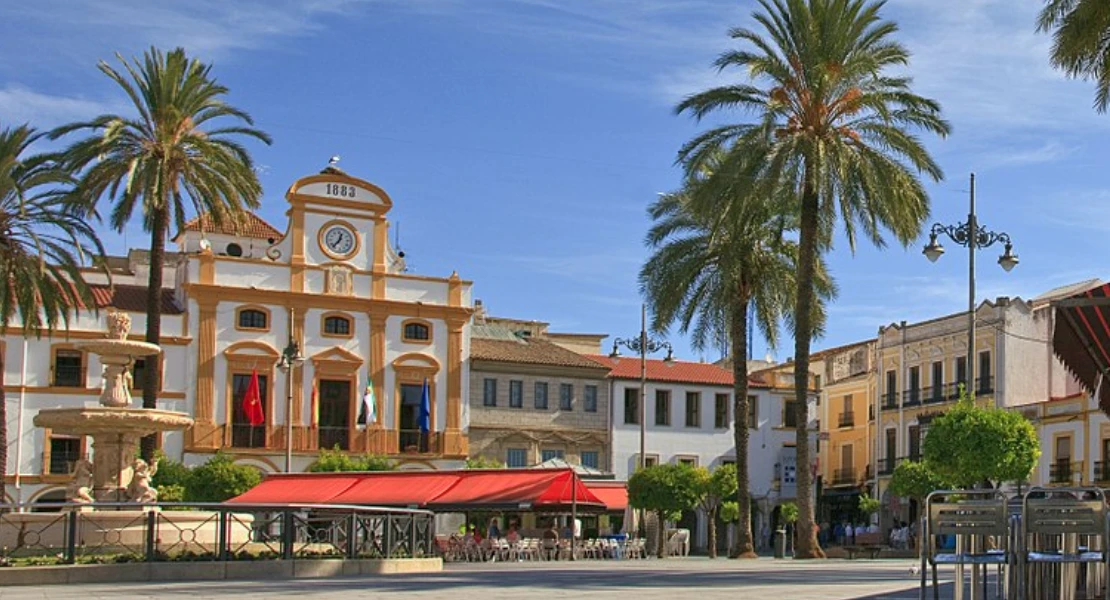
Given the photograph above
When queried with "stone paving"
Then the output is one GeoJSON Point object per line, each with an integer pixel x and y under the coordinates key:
{"type": "Point", "coordinates": [638, 580]}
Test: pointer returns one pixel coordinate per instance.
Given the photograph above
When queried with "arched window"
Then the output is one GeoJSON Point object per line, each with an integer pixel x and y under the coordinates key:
{"type": "Point", "coordinates": [416, 331]}
{"type": "Point", "coordinates": [337, 326]}
{"type": "Point", "coordinates": [234, 249]}
{"type": "Point", "coordinates": [253, 318]}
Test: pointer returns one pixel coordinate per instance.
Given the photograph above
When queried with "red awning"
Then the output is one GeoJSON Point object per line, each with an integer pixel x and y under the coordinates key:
{"type": "Point", "coordinates": [613, 493]}
{"type": "Point", "coordinates": [1081, 339]}
{"type": "Point", "coordinates": [513, 488]}
{"type": "Point", "coordinates": [440, 490]}
{"type": "Point", "coordinates": [298, 489]}
{"type": "Point", "coordinates": [410, 488]}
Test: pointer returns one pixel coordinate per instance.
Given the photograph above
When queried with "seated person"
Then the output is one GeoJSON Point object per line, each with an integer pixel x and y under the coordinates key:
{"type": "Point", "coordinates": [512, 537]}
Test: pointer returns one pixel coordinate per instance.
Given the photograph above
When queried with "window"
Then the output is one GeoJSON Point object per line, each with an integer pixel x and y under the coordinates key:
{"type": "Point", "coordinates": [720, 411]}
{"type": "Point", "coordinates": [817, 382]}
{"type": "Point", "coordinates": [252, 318]}
{"type": "Point", "coordinates": [234, 249]}
{"type": "Point", "coordinates": [662, 407]}
{"type": "Point", "coordinates": [789, 415]}
{"type": "Point", "coordinates": [589, 398]}
{"type": "Point", "coordinates": [589, 459]}
{"type": "Point", "coordinates": [891, 389]}
{"type": "Point", "coordinates": [693, 409]}
{"type": "Point", "coordinates": [415, 331]}
{"type": "Point", "coordinates": [915, 385]}
{"type": "Point", "coordinates": [689, 461]}
{"type": "Point", "coordinates": [516, 394]}
{"type": "Point", "coordinates": [243, 434]}
{"type": "Point", "coordinates": [938, 380]}
{"type": "Point", "coordinates": [516, 458]}
{"type": "Point", "coordinates": [631, 406]}
{"type": "Point", "coordinates": [983, 382]}
{"type": "Point", "coordinates": [69, 368]}
{"type": "Point", "coordinates": [915, 442]}
{"type": "Point", "coordinates": [489, 392]}
{"type": "Point", "coordinates": [753, 412]}
{"type": "Point", "coordinates": [566, 396]}
{"type": "Point", "coordinates": [541, 395]}
{"type": "Point", "coordinates": [337, 326]}
{"type": "Point", "coordinates": [961, 370]}
{"type": "Point", "coordinates": [651, 460]}
{"type": "Point", "coordinates": [64, 454]}
{"type": "Point", "coordinates": [550, 453]}
{"type": "Point", "coordinates": [847, 416]}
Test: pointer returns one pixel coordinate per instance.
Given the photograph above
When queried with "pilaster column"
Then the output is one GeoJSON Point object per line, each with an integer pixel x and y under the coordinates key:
{"type": "Point", "coordinates": [298, 372]}
{"type": "Point", "coordinates": [204, 411]}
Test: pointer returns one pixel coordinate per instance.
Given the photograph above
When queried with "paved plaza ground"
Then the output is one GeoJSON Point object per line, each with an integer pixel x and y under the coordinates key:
{"type": "Point", "coordinates": [629, 580]}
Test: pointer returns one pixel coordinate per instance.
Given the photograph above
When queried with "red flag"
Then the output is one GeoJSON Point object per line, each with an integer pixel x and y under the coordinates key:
{"type": "Point", "coordinates": [252, 402]}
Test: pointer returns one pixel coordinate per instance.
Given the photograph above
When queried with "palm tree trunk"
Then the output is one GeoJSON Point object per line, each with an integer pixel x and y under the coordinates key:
{"type": "Point", "coordinates": [3, 433]}
{"type": "Point", "coordinates": [738, 332]}
{"type": "Point", "coordinates": [807, 546]}
{"type": "Point", "coordinates": [713, 531]}
{"type": "Point", "coordinates": [154, 320]}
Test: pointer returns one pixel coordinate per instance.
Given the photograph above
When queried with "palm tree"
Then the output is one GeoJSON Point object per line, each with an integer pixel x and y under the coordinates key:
{"type": "Point", "coordinates": [43, 247]}
{"type": "Point", "coordinates": [709, 269]}
{"type": "Point", "coordinates": [1081, 41]}
{"type": "Point", "coordinates": [834, 130]}
{"type": "Point", "coordinates": [166, 163]}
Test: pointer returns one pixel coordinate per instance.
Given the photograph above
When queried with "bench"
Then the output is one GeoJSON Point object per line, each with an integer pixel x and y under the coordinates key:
{"type": "Point", "coordinates": [871, 551]}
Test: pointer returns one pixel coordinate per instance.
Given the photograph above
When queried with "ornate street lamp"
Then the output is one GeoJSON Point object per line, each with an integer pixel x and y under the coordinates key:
{"type": "Point", "coordinates": [644, 345]}
{"type": "Point", "coordinates": [972, 236]}
{"type": "Point", "coordinates": [290, 358]}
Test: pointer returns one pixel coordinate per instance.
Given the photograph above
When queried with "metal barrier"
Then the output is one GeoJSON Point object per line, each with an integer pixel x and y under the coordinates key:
{"type": "Point", "coordinates": [127, 532]}
{"type": "Point", "coordinates": [978, 521]}
{"type": "Point", "coordinates": [1063, 532]}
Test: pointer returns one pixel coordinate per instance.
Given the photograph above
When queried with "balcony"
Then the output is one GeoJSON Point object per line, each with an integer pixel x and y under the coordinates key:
{"type": "Point", "coordinates": [1102, 472]}
{"type": "Point", "coordinates": [1063, 471]}
{"type": "Point", "coordinates": [846, 419]}
{"type": "Point", "coordinates": [414, 441]}
{"type": "Point", "coordinates": [953, 389]}
{"type": "Point", "coordinates": [935, 394]}
{"type": "Point", "coordinates": [886, 465]}
{"type": "Point", "coordinates": [984, 385]}
{"type": "Point", "coordinates": [890, 400]}
{"type": "Point", "coordinates": [331, 437]}
{"type": "Point", "coordinates": [911, 397]}
{"type": "Point", "coordinates": [245, 435]}
{"type": "Point", "coordinates": [844, 477]}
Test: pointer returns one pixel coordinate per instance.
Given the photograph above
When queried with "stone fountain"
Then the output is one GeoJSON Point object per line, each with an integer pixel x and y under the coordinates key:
{"type": "Point", "coordinates": [114, 474]}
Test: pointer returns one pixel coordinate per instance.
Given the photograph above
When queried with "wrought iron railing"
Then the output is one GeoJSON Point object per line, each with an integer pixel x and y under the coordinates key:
{"type": "Point", "coordinates": [890, 400]}
{"type": "Point", "coordinates": [120, 532]}
{"type": "Point", "coordinates": [245, 435]}
{"type": "Point", "coordinates": [984, 385]}
{"type": "Point", "coordinates": [69, 376]}
{"type": "Point", "coordinates": [953, 389]}
{"type": "Point", "coordinates": [844, 476]}
{"type": "Point", "coordinates": [1102, 471]}
{"type": "Point", "coordinates": [934, 394]}
{"type": "Point", "coordinates": [911, 397]}
{"type": "Point", "coordinates": [886, 465]}
{"type": "Point", "coordinates": [846, 419]}
{"type": "Point", "coordinates": [1062, 471]}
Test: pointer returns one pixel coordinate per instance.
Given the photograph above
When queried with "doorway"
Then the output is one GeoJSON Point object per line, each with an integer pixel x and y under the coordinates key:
{"type": "Point", "coordinates": [411, 439]}
{"type": "Point", "coordinates": [335, 414]}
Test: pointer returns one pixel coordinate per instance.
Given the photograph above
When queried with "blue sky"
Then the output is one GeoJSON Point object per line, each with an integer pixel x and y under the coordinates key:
{"type": "Point", "coordinates": [522, 140]}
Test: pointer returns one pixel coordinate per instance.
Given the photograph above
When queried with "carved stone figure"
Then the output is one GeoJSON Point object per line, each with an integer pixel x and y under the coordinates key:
{"type": "Point", "coordinates": [119, 325]}
{"type": "Point", "coordinates": [79, 489]}
{"type": "Point", "coordinates": [339, 281]}
{"type": "Point", "coordinates": [142, 489]}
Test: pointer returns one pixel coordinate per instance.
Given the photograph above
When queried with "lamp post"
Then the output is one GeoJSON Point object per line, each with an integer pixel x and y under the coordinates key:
{"type": "Point", "coordinates": [290, 357]}
{"type": "Point", "coordinates": [644, 345]}
{"type": "Point", "coordinates": [972, 235]}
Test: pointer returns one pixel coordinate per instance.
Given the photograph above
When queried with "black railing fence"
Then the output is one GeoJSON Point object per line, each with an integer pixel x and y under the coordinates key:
{"type": "Point", "coordinates": [125, 532]}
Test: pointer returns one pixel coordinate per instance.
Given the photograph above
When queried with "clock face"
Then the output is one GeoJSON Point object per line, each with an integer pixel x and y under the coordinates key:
{"type": "Point", "coordinates": [339, 240]}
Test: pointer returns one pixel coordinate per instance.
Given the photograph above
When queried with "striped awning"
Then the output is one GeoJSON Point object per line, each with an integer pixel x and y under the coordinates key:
{"type": "Point", "coordinates": [1081, 339]}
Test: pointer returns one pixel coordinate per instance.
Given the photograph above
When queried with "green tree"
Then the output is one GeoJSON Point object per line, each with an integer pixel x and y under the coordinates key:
{"type": "Point", "coordinates": [970, 444]}
{"type": "Point", "coordinates": [336, 461]}
{"type": "Point", "coordinates": [718, 256]}
{"type": "Point", "coordinates": [666, 490]}
{"type": "Point", "coordinates": [713, 489]}
{"type": "Point", "coordinates": [43, 246]}
{"type": "Point", "coordinates": [868, 505]}
{"type": "Point", "coordinates": [1081, 42]}
{"type": "Point", "coordinates": [170, 160]}
{"type": "Point", "coordinates": [834, 129]}
{"type": "Point", "coordinates": [220, 479]}
{"type": "Point", "coordinates": [915, 479]}
{"type": "Point", "coordinates": [483, 462]}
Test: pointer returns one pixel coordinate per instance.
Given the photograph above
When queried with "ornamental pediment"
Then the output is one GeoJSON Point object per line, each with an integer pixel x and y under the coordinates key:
{"type": "Point", "coordinates": [336, 354]}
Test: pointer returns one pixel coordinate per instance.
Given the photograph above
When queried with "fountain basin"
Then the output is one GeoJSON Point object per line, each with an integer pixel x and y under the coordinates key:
{"type": "Point", "coordinates": [95, 420]}
{"type": "Point", "coordinates": [120, 348]}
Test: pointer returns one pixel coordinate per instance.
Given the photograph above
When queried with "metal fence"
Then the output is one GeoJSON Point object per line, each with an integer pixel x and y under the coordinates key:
{"type": "Point", "coordinates": [123, 532]}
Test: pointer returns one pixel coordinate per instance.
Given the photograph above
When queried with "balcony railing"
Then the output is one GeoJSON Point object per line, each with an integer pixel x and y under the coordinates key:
{"type": "Point", "coordinates": [886, 465]}
{"type": "Point", "coordinates": [934, 394]}
{"type": "Point", "coordinates": [846, 419]}
{"type": "Point", "coordinates": [911, 397]}
{"type": "Point", "coordinates": [1062, 471]}
{"type": "Point", "coordinates": [246, 435]}
{"type": "Point", "coordinates": [890, 400]}
{"type": "Point", "coordinates": [984, 385]}
{"type": "Point", "coordinates": [330, 436]}
{"type": "Point", "coordinates": [410, 441]}
{"type": "Point", "coordinates": [844, 476]}
{"type": "Point", "coordinates": [953, 389]}
{"type": "Point", "coordinates": [69, 376]}
{"type": "Point", "coordinates": [1102, 471]}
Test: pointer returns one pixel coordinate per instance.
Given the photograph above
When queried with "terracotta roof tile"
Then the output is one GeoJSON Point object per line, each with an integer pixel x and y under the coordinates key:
{"type": "Point", "coordinates": [132, 298]}
{"type": "Point", "coordinates": [531, 351]}
{"type": "Point", "coordinates": [678, 371]}
{"type": "Point", "coordinates": [252, 227]}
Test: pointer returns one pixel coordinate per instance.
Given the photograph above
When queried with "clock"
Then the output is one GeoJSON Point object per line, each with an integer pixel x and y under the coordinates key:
{"type": "Point", "coordinates": [339, 240]}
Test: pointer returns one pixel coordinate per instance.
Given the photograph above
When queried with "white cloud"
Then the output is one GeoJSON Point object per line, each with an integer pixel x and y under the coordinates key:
{"type": "Point", "coordinates": [21, 105]}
